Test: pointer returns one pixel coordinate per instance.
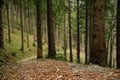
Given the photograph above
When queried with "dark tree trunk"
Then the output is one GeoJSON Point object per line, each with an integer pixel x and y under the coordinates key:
{"type": "Point", "coordinates": [39, 31]}
{"type": "Point", "coordinates": [86, 33]}
{"type": "Point", "coordinates": [21, 25]}
{"type": "Point", "coordinates": [90, 27]}
{"type": "Point", "coordinates": [51, 41]}
{"type": "Point", "coordinates": [98, 52]}
{"type": "Point", "coordinates": [78, 33]}
{"type": "Point", "coordinates": [118, 34]}
{"type": "Point", "coordinates": [70, 35]}
{"type": "Point", "coordinates": [1, 26]}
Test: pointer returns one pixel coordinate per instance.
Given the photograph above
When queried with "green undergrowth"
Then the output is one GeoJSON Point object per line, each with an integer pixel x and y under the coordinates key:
{"type": "Point", "coordinates": [12, 52]}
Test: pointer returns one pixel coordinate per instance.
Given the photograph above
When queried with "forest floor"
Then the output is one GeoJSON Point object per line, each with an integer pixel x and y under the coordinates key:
{"type": "Point", "coordinates": [49, 69]}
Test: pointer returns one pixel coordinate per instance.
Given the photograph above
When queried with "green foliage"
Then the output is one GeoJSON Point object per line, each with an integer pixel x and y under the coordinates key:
{"type": "Point", "coordinates": [60, 56]}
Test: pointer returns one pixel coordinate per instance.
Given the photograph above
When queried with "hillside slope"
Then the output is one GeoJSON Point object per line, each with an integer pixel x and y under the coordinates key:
{"type": "Point", "coordinates": [12, 50]}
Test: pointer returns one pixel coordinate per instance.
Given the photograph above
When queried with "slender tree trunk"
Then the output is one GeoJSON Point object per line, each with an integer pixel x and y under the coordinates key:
{"type": "Point", "coordinates": [70, 36]}
{"type": "Point", "coordinates": [108, 50]}
{"type": "Point", "coordinates": [118, 34]}
{"type": "Point", "coordinates": [28, 26]}
{"type": "Point", "coordinates": [4, 13]}
{"type": "Point", "coordinates": [33, 29]}
{"type": "Point", "coordinates": [17, 17]}
{"type": "Point", "coordinates": [111, 50]}
{"type": "Point", "coordinates": [86, 33]}
{"type": "Point", "coordinates": [12, 17]}
{"type": "Point", "coordinates": [21, 24]}
{"type": "Point", "coordinates": [65, 34]}
{"type": "Point", "coordinates": [9, 34]}
{"type": "Point", "coordinates": [51, 41]}
{"type": "Point", "coordinates": [1, 26]}
{"type": "Point", "coordinates": [78, 33]}
{"type": "Point", "coordinates": [44, 22]}
{"type": "Point", "coordinates": [98, 52]}
{"type": "Point", "coordinates": [39, 31]}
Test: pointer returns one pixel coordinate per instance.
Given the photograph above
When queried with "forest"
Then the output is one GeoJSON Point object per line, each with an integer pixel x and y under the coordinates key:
{"type": "Point", "coordinates": [59, 39]}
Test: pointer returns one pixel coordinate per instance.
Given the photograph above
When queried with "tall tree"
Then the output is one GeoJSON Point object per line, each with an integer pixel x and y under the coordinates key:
{"type": "Point", "coordinates": [78, 33]}
{"type": "Point", "coordinates": [51, 41]}
{"type": "Point", "coordinates": [118, 34]}
{"type": "Point", "coordinates": [65, 33]}
{"type": "Point", "coordinates": [86, 34]}
{"type": "Point", "coordinates": [21, 25]}
{"type": "Point", "coordinates": [98, 52]}
{"type": "Point", "coordinates": [28, 26]}
{"type": "Point", "coordinates": [8, 20]}
{"type": "Point", "coordinates": [1, 26]}
{"type": "Point", "coordinates": [39, 31]}
{"type": "Point", "coordinates": [70, 35]}
{"type": "Point", "coordinates": [12, 17]}
{"type": "Point", "coordinates": [90, 19]}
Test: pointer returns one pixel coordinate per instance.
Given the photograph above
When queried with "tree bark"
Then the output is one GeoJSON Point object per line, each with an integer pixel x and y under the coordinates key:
{"type": "Point", "coordinates": [98, 52]}
{"type": "Point", "coordinates": [70, 35]}
{"type": "Point", "coordinates": [9, 34]}
{"type": "Point", "coordinates": [21, 25]}
{"type": "Point", "coordinates": [78, 33]}
{"type": "Point", "coordinates": [1, 26]}
{"type": "Point", "coordinates": [12, 17]}
{"type": "Point", "coordinates": [51, 41]}
{"type": "Point", "coordinates": [86, 33]}
{"type": "Point", "coordinates": [65, 33]}
{"type": "Point", "coordinates": [118, 34]}
{"type": "Point", "coordinates": [39, 31]}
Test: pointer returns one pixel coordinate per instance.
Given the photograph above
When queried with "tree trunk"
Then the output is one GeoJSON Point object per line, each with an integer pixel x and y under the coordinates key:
{"type": "Point", "coordinates": [78, 33]}
{"type": "Point", "coordinates": [111, 50]}
{"type": "Point", "coordinates": [98, 52]}
{"type": "Point", "coordinates": [1, 26]}
{"type": "Point", "coordinates": [9, 34]}
{"type": "Point", "coordinates": [12, 17]}
{"type": "Point", "coordinates": [65, 33]}
{"type": "Point", "coordinates": [21, 24]}
{"type": "Point", "coordinates": [51, 41]}
{"type": "Point", "coordinates": [28, 26]}
{"type": "Point", "coordinates": [90, 26]}
{"type": "Point", "coordinates": [86, 33]}
{"type": "Point", "coordinates": [39, 31]}
{"type": "Point", "coordinates": [70, 35]}
{"type": "Point", "coordinates": [118, 34]}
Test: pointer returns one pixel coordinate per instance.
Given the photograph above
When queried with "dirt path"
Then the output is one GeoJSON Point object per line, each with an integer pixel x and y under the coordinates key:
{"type": "Point", "coordinates": [27, 59]}
{"type": "Point", "coordinates": [47, 69]}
